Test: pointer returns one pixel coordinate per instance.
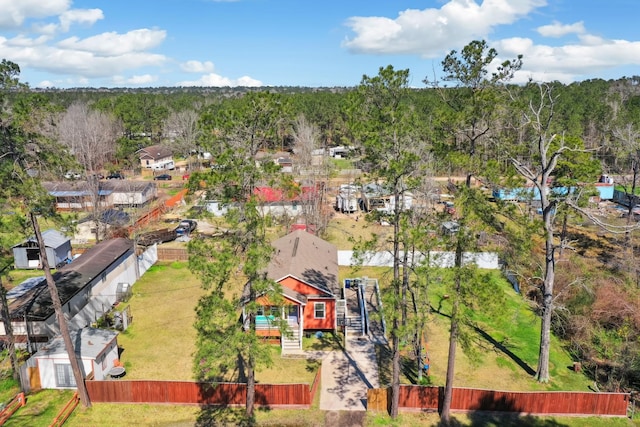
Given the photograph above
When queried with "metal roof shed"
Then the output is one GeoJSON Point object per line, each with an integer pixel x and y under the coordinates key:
{"type": "Point", "coordinates": [26, 254]}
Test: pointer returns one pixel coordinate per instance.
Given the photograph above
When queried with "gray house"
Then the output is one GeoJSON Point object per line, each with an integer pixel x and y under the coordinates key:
{"type": "Point", "coordinates": [26, 254]}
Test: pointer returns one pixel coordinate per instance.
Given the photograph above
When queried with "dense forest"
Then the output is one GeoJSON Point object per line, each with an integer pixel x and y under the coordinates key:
{"type": "Point", "coordinates": [471, 123]}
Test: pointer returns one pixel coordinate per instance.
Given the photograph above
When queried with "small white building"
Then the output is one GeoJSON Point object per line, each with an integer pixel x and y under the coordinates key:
{"type": "Point", "coordinates": [26, 254]}
{"type": "Point", "coordinates": [96, 349]}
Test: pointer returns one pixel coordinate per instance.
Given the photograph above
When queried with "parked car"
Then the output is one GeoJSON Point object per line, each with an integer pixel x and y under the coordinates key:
{"type": "Point", "coordinates": [72, 175]}
{"type": "Point", "coordinates": [163, 177]}
{"type": "Point", "coordinates": [115, 175]}
{"type": "Point", "coordinates": [186, 226]}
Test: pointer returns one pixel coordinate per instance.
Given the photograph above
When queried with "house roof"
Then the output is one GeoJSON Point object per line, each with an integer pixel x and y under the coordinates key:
{"type": "Point", "coordinates": [52, 239]}
{"type": "Point", "coordinates": [104, 188]}
{"type": "Point", "coordinates": [70, 279]}
{"type": "Point", "coordinates": [154, 152]}
{"type": "Point", "coordinates": [113, 217]}
{"type": "Point", "coordinates": [87, 342]}
{"type": "Point", "coordinates": [306, 257]}
{"type": "Point", "coordinates": [271, 195]}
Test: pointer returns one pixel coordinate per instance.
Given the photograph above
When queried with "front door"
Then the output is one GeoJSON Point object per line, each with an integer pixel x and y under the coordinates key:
{"type": "Point", "coordinates": [292, 315]}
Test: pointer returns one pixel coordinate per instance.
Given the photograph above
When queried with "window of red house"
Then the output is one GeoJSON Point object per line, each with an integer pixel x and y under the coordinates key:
{"type": "Point", "coordinates": [319, 310]}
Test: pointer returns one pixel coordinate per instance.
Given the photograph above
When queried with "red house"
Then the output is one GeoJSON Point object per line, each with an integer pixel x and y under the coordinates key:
{"type": "Point", "coordinates": [307, 269]}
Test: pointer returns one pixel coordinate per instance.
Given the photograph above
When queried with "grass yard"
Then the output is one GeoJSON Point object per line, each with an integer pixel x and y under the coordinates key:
{"type": "Point", "coordinates": [161, 340]}
{"type": "Point", "coordinates": [507, 345]}
{"type": "Point", "coordinates": [41, 408]}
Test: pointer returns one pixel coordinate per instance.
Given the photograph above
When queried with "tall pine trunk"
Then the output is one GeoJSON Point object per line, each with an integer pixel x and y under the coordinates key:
{"type": "Point", "coordinates": [395, 330]}
{"type": "Point", "coordinates": [251, 388]}
{"type": "Point", "coordinates": [62, 320]}
{"type": "Point", "coordinates": [453, 339]}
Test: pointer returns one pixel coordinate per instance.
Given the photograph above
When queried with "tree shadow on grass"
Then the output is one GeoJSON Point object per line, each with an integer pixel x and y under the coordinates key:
{"type": "Point", "coordinates": [498, 345]}
{"type": "Point", "coordinates": [489, 419]}
{"type": "Point", "coordinates": [211, 416]}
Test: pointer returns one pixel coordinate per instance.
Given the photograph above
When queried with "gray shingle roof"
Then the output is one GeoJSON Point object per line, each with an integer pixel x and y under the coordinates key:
{"type": "Point", "coordinates": [308, 258]}
{"type": "Point", "coordinates": [87, 342]}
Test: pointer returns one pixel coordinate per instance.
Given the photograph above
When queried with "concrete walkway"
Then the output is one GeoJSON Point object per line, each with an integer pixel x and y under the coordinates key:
{"type": "Point", "coordinates": [346, 376]}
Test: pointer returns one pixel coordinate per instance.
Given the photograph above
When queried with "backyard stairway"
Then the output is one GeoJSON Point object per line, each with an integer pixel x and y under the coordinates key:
{"type": "Point", "coordinates": [354, 326]}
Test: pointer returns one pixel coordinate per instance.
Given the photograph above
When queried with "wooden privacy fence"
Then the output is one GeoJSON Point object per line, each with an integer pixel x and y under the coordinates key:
{"type": "Point", "coordinates": [172, 254]}
{"type": "Point", "coordinates": [534, 403]}
{"type": "Point", "coordinates": [186, 392]}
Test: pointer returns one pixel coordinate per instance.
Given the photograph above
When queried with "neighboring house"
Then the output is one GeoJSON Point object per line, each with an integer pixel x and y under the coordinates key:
{"type": "Point", "coordinates": [277, 202]}
{"type": "Point", "coordinates": [306, 267]}
{"type": "Point", "coordinates": [375, 197]}
{"type": "Point", "coordinates": [88, 288]}
{"type": "Point", "coordinates": [285, 163]}
{"type": "Point", "coordinates": [79, 195]}
{"type": "Point", "coordinates": [82, 196]}
{"type": "Point", "coordinates": [131, 193]}
{"type": "Point", "coordinates": [155, 157]}
{"type": "Point", "coordinates": [216, 208]}
{"type": "Point", "coordinates": [26, 254]}
{"type": "Point", "coordinates": [100, 224]}
{"type": "Point", "coordinates": [96, 349]}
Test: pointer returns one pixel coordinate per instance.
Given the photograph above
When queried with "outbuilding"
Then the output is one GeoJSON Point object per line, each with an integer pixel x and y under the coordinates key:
{"type": "Point", "coordinates": [96, 349]}
{"type": "Point", "coordinates": [26, 254]}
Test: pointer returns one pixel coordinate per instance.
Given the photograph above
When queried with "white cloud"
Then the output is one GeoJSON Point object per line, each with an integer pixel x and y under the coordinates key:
{"type": "Point", "coordinates": [197, 67]}
{"type": "Point", "coordinates": [82, 16]}
{"type": "Point", "coordinates": [141, 80]}
{"type": "Point", "coordinates": [15, 12]}
{"type": "Point", "coordinates": [113, 43]}
{"type": "Point", "coordinates": [558, 29]}
{"type": "Point", "coordinates": [81, 63]}
{"type": "Point", "coordinates": [569, 62]}
{"type": "Point", "coordinates": [217, 80]}
{"type": "Point", "coordinates": [429, 32]}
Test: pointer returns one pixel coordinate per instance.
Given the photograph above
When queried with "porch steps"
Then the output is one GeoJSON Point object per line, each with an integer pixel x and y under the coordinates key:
{"type": "Point", "coordinates": [354, 326]}
{"type": "Point", "coordinates": [291, 344]}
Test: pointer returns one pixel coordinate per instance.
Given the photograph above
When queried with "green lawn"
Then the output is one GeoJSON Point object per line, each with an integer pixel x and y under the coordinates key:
{"type": "Point", "coordinates": [161, 341]}
{"type": "Point", "coordinates": [41, 408]}
{"type": "Point", "coordinates": [507, 344]}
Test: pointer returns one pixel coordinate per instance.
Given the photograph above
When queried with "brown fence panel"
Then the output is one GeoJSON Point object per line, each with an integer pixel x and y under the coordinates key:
{"type": "Point", "coordinates": [377, 399]}
{"type": "Point", "coordinates": [282, 394]}
{"type": "Point", "coordinates": [173, 254]}
{"type": "Point", "coordinates": [467, 399]}
{"type": "Point", "coordinates": [197, 393]}
{"type": "Point", "coordinates": [425, 398]}
{"type": "Point", "coordinates": [584, 403]}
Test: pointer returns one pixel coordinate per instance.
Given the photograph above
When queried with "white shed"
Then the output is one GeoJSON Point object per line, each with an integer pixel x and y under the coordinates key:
{"type": "Point", "coordinates": [58, 248]}
{"type": "Point", "coordinates": [97, 349]}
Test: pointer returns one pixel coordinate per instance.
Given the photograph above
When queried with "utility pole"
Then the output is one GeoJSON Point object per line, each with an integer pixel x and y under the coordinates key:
{"type": "Point", "coordinates": [62, 320]}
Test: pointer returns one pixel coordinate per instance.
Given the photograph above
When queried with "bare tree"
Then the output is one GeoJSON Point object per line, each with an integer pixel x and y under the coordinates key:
{"type": "Point", "coordinates": [90, 135]}
{"type": "Point", "coordinates": [313, 171]}
{"type": "Point", "coordinates": [181, 131]}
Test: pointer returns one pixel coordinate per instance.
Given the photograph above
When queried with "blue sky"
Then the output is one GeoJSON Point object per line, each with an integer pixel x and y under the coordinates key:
{"type": "Point", "coordinates": [136, 43]}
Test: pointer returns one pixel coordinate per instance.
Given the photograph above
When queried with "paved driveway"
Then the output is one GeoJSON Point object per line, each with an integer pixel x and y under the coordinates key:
{"type": "Point", "coordinates": [346, 376]}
